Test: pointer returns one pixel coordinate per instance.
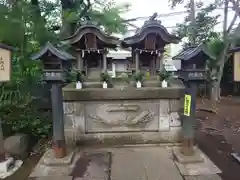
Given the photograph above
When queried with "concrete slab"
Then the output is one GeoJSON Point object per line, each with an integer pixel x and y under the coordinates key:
{"type": "Point", "coordinates": [55, 178]}
{"type": "Point", "coordinates": [85, 166]}
{"type": "Point", "coordinates": [181, 158]}
{"type": "Point", "coordinates": [49, 158]}
{"type": "Point", "coordinates": [203, 177]}
{"type": "Point", "coordinates": [207, 167]}
{"type": "Point", "coordinates": [143, 164]}
{"type": "Point", "coordinates": [93, 165]}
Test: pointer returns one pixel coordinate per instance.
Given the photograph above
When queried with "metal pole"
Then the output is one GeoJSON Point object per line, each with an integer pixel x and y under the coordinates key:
{"type": "Point", "coordinates": [2, 150]}
{"type": "Point", "coordinates": [189, 119]}
{"type": "Point", "coordinates": [59, 144]}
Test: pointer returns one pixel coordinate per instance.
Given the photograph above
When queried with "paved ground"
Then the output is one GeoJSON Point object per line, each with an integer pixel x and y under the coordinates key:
{"type": "Point", "coordinates": [135, 163]}
{"type": "Point", "coordinates": [143, 164]}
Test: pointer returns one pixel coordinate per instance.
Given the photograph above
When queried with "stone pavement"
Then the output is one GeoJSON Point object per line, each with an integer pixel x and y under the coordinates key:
{"type": "Point", "coordinates": [132, 163]}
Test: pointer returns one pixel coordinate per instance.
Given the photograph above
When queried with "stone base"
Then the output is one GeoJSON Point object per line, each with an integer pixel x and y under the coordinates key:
{"type": "Point", "coordinates": [236, 156]}
{"type": "Point", "coordinates": [4, 166]}
{"type": "Point", "coordinates": [50, 160]}
{"type": "Point", "coordinates": [75, 137]}
{"type": "Point", "coordinates": [206, 167]}
{"type": "Point", "coordinates": [181, 158]}
{"type": "Point", "coordinates": [12, 169]}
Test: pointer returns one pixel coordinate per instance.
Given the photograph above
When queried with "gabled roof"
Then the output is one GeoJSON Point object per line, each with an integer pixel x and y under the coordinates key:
{"type": "Point", "coordinates": [234, 49]}
{"type": "Point", "coordinates": [190, 52]}
{"type": "Point", "coordinates": [151, 26]}
{"type": "Point", "coordinates": [90, 27]}
{"type": "Point", "coordinates": [50, 48]}
{"type": "Point", "coordinates": [4, 46]}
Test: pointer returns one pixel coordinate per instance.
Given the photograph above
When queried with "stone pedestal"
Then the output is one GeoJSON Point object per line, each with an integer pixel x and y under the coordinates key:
{"type": "Point", "coordinates": [185, 159]}
{"type": "Point", "coordinates": [49, 158]}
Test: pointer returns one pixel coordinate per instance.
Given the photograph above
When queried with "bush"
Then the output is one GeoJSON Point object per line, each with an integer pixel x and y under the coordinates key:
{"type": "Point", "coordinates": [105, 77]}
{"type": "Point", "coordinates": [138, 76]}
{"type": "Point", "coordinates": [163, 75]}
{"type": "Point", "coordinates": [26, 120]}
{"type": "Point", "coordinates": [18, 111]}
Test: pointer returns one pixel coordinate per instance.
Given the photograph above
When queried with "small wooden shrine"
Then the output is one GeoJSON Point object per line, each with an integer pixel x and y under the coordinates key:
{"type": "Point", "coordinates": [90, 45]}
{"type": "Point", "coordinates": [148, 45]}
{"type": "Point", "coordinates": [54, 61]}
{"type": "Point", "coordinates": [193, 61]}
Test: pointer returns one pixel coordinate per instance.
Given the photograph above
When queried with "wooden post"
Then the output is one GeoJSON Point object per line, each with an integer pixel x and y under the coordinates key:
{"type": "Point", "coordinates": [157, 62]}
{"type": "Point", "coordinates": [189, 119]}
{"type": "Point", "coordinates": [104, 62]}
{"type": "Point", "coordinates": [137, 60]}
{"type": "Point", "coordinates": [59, 145]}
{"type": "Point", "coordinates": [79, 61]}
{"type": "Point", "coordinates": [161, 61]}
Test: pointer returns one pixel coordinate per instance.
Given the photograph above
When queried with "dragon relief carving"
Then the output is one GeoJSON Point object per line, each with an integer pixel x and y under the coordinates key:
{"type": "Point", "coordinates": [141, 118]}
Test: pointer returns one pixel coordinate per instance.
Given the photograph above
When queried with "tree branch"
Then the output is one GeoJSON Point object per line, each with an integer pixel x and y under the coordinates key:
{"type": "Point", "coordinates": [86, 8]}
{"type": "Point", "coordinates": [235, 6]}
{"type": "Point", "coordinates": [232, 23]}
{"type": "Point", "coordinates": [237, 14]}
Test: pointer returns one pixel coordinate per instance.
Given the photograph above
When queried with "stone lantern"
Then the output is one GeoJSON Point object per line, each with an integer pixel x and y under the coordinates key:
{"type": "Point", "coordinates": [193, 72]}
{"type": "Point", "coordinates": [54, 62]}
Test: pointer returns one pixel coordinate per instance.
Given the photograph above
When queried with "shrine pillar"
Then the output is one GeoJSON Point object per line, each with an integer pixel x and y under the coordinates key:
{"type": "Point", "coordinates": [79, 61]}
{"type": "Point", "coordinates": [159, 62]}
{"type": "Point", "coordinates": [104, 61]}
{"type": "Point", "coordinates": [137, 60]}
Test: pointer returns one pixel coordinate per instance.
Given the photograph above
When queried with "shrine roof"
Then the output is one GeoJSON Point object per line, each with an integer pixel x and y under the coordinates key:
{"type": "Point", "coordinates": [4, 46]}
{"type": "Point", "coordinates": [190, 52]}
{"type": "Point", "coordinates": [151, 26]}
{"type": "Point", "coordinates": [234, 49]}
{"type": "Point", "coordinates": [94, 28]}
{"type": "Point", "coordinates": [61, 54]}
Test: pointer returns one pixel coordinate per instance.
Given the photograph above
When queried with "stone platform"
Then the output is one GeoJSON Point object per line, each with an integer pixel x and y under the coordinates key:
{"type": "Point", "coordinates": [131, 163]}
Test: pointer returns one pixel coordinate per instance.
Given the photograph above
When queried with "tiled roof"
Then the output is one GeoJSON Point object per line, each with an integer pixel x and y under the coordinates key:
{"type": "Point", "coordinates": [190, 52]}
{"type": "Point", "coordinates": [49, 47]}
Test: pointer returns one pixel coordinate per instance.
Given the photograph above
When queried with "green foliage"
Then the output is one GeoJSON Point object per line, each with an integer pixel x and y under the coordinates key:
{"type": "Point", "coordinates": [107, 13]}
{"type": "Point", "coordinates": [163, 75]}
{"type": "Point", "coordinates": [75, 75]}
{"type": "Point", "coordinates": [17, 109]}
{"type": "Point", "coordinates": [25, 120]}
{"type": "Point", "coordinates": [216, 46]}
{"type": "Point", "coordinates": [105, 77]}
{"type": "Point", "coordinates": [109, 16]}
{"type": "Point", "coordinates": [27, 25]}
{"type": "Point", "coordinates": [138, 76]}
{"type": "Point", "coordinates": [204, 27]}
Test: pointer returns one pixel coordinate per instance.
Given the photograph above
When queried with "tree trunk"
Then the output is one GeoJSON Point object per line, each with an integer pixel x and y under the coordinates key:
{"type": "Point", "coordinates": [216, 88]}
{"type": "Point", "coordinates": [215, 92]}
{"type": "Point", "coordinates": [66, 29]}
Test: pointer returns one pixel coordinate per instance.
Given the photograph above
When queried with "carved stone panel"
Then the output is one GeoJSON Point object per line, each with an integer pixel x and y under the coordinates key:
{"type": "Point", "coordinates": [122, 116]}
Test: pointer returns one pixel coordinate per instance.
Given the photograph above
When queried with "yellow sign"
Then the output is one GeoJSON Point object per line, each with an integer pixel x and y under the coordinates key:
{"type": "Point", "coordinates": [187, 105]}
{"type": "Point", "coordinates": [5, 65]}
